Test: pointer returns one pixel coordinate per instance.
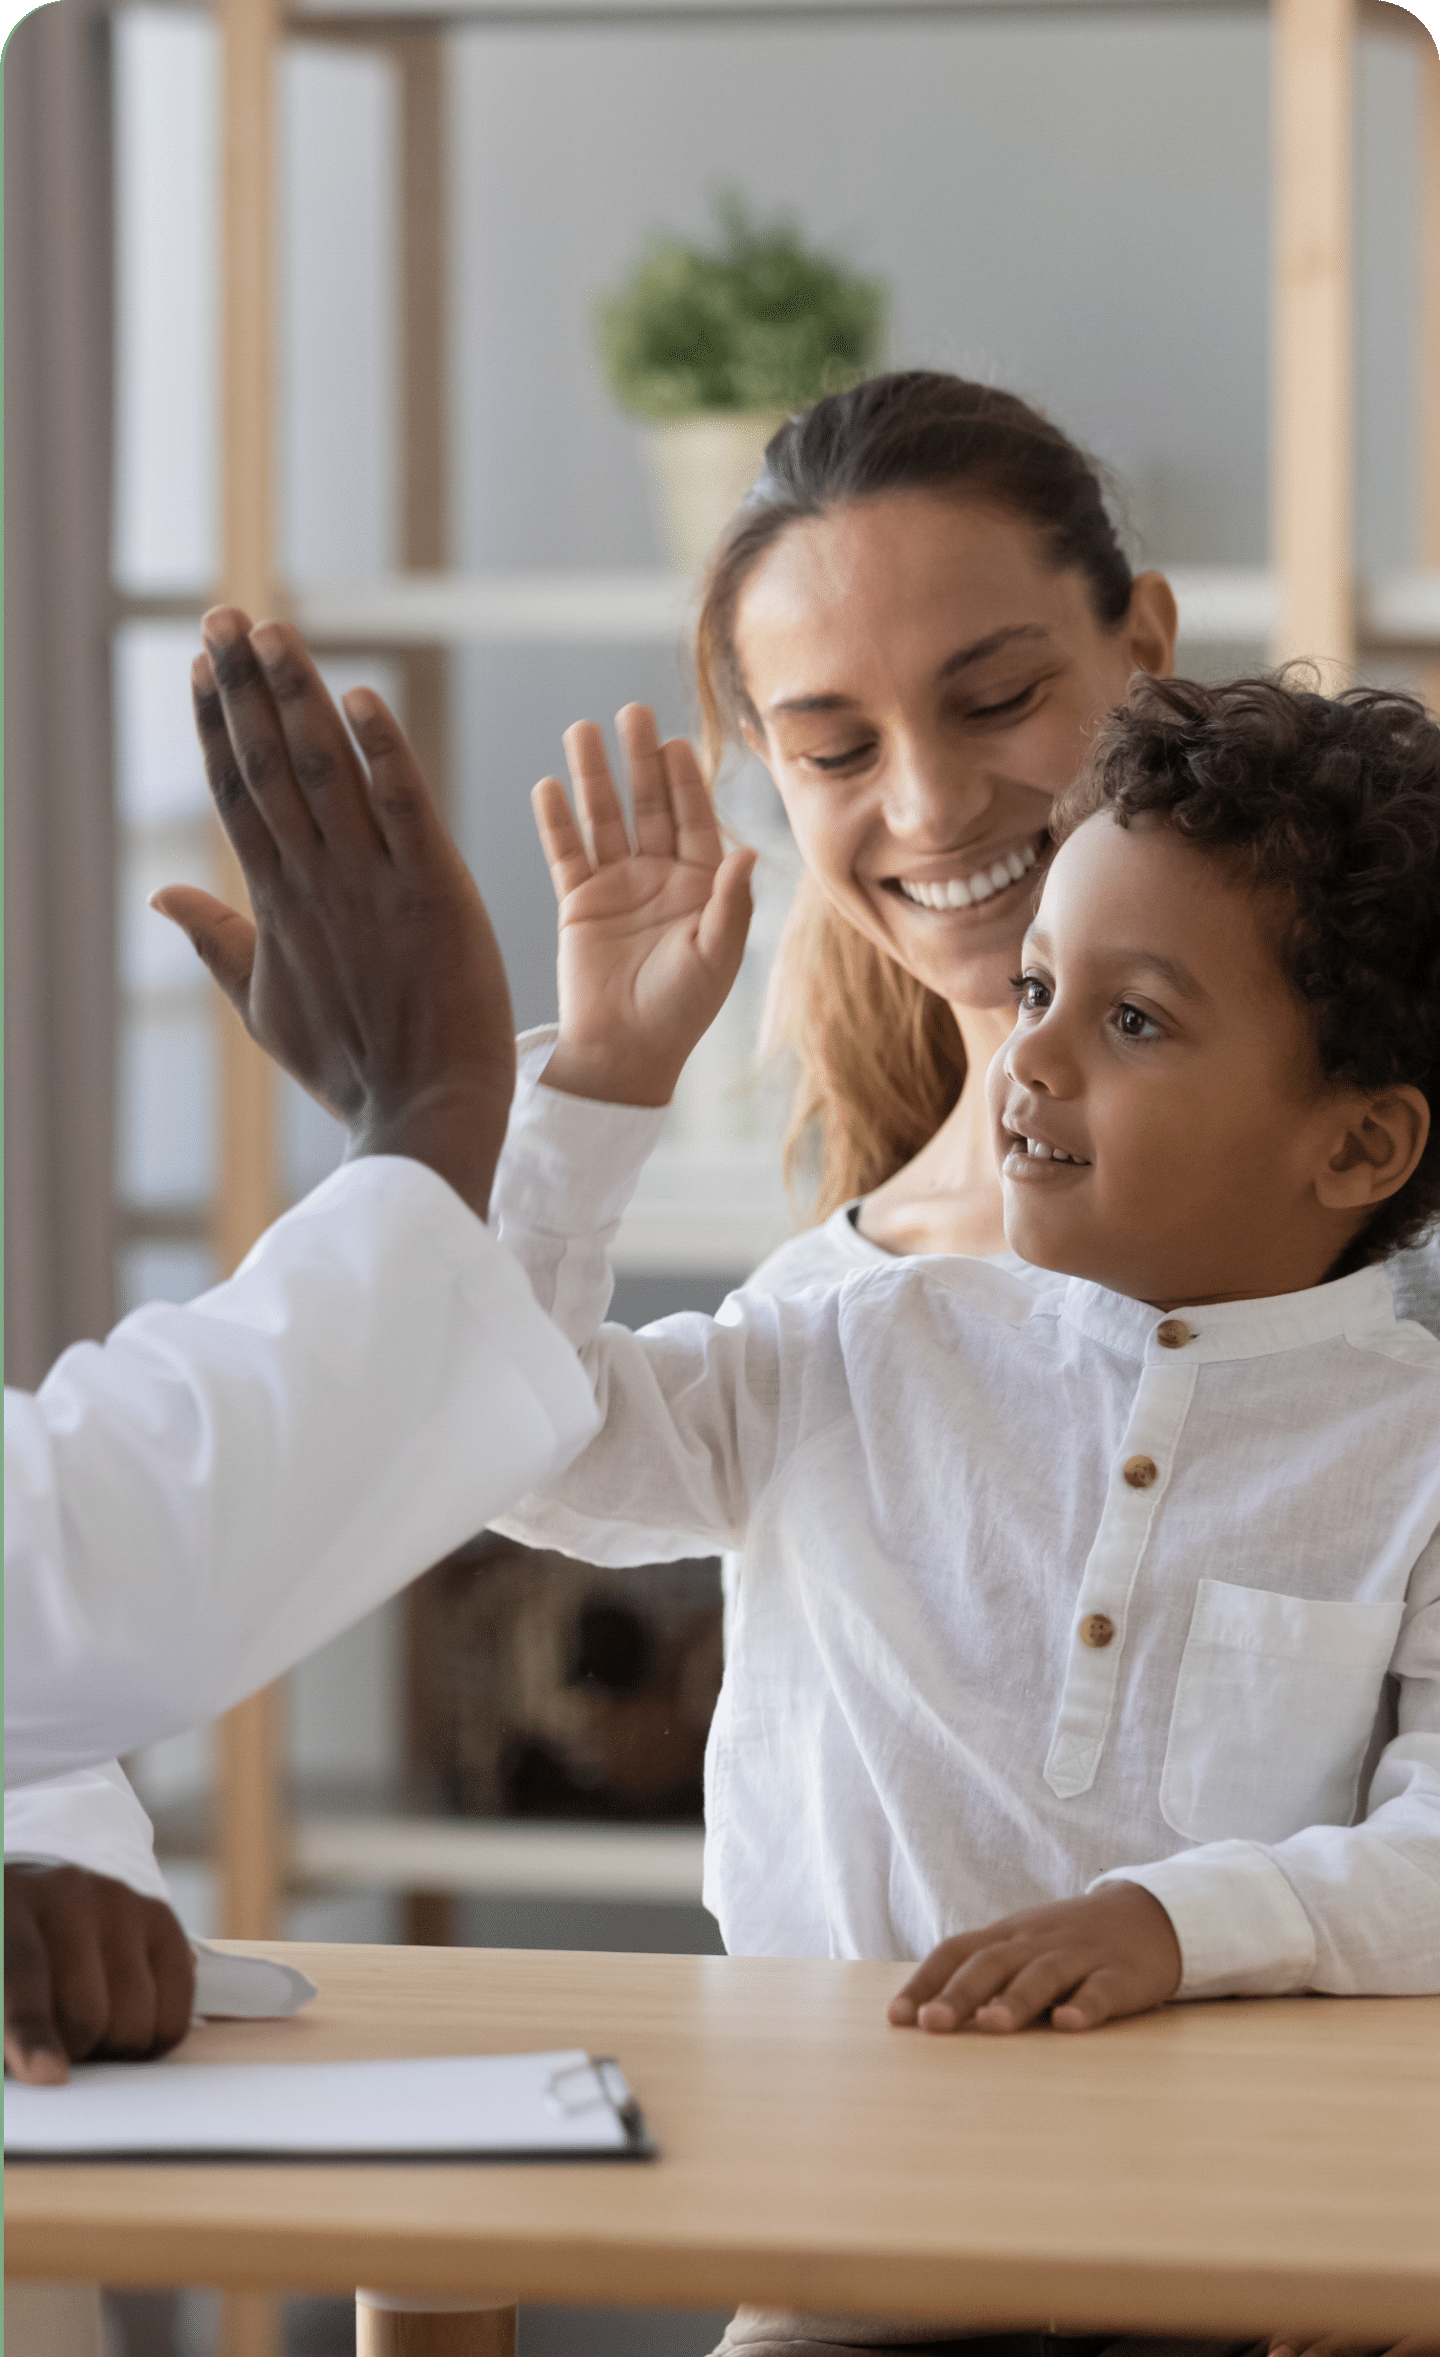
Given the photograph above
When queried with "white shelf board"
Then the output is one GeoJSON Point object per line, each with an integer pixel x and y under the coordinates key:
{"type": "Point", "coordinates": [1219, 605]}
{"type": "Point", "coordinates": [1401, 609]}
{"type": "Point", "coordinates": [496, 609]}
{"type": "Point", "coordinates": [749, 12]}
{"type": "Point", "coordinates": [659, 1864]}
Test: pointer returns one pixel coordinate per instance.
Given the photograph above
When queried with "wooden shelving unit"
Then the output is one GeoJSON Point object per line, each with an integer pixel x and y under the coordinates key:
{"type": "Point", "coordinates": [1306, 602]}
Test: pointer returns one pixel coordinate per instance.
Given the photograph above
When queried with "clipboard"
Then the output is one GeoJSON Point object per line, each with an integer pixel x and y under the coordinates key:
{"type": "Point", "coordinates": [566, 2106]}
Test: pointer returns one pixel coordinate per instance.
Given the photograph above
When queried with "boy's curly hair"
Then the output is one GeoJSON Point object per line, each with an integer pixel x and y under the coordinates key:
{"type": "Point", "coordinates": [1335, 803]}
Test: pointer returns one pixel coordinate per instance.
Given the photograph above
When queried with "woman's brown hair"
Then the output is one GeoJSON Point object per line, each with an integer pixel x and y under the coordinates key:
{"type": "Point", "coordinates": [881, 1060]}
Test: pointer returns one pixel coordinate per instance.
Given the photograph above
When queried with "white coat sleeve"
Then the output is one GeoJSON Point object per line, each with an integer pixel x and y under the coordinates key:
{"type": "Point", "coordinates": [90, 1817]}
{"type": "Point", "coordinates": [195, 1504]}
{"type": "Point", "coordinates": [696, 1412]}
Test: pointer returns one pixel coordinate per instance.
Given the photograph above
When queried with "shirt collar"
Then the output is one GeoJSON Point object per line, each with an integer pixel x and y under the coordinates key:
{"type": "Point", "coordinates": [1352, 1307]}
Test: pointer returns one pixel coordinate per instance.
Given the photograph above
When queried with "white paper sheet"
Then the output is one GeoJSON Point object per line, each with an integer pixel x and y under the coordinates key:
{"type": "Point", "coordinates": [471, 2106]}
{"type": "Point", "coordinates": [246, 1988]}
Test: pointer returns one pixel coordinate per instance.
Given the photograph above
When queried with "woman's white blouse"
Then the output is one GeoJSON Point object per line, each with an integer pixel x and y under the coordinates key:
{"type": "Point", "coordinates": [1038, 1587]}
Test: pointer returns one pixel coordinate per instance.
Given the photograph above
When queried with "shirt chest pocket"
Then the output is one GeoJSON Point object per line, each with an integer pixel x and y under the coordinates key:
{"type": "Point", "coordinates": [1274, 1709]}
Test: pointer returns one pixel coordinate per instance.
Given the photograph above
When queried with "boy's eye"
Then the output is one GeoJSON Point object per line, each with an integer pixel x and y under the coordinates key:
{"type": "Point", "coordinates": [1134, 1023]}
{"type": "Point", "coordinates": [1031, 994]}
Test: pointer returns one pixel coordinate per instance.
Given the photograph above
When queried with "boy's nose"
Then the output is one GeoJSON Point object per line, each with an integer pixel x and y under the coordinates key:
{"type": "Point", "coordinates": [1036, 1059]}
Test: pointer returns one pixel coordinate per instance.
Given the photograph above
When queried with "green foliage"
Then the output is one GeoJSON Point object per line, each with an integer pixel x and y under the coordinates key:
{"type": "Point", "coordinates": [756, 323]}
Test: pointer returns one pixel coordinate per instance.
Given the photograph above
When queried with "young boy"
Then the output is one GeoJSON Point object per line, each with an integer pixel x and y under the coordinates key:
{"type": "Point", "coordinates": [1088, 1645]}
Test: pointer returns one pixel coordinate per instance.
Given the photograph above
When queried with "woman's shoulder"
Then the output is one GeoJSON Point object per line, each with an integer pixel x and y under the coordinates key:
{"type": "Point", "coordinates": [1415, 1283]}
{"type": "Point", "coordinates": [817, 1256]}
{"type": "Point", "coordinates": [836, 1250]}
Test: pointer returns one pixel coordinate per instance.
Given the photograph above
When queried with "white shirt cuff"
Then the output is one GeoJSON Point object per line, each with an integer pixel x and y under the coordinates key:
{"type": "Point", "coordinates": [584, 1156]}
{"type": "Point", "coordinates": [1242, 1931]}
{"type": "Point", "coordinates": [91, 1818]}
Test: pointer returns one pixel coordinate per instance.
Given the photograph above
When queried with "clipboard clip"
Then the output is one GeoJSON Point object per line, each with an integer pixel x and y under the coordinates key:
{"type": "Point", "coordinates": [600, 2081]}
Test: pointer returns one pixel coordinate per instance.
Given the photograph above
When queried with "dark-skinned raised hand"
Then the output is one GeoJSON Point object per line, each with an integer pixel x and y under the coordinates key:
{"type": "Point", "coordinates": [369, 969]}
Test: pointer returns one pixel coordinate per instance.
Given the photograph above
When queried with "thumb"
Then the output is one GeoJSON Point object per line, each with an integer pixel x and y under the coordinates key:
{"type": "Point", "coordinates": [33, 2052]}
{"type": "Point", "coordinates": [725, 918]}
{"type": "Point", "coordinates": [223, 940]}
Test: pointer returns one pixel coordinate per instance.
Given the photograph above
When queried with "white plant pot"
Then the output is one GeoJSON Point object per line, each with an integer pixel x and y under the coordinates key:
{"type": "Point", "coordinates": [704, 466]}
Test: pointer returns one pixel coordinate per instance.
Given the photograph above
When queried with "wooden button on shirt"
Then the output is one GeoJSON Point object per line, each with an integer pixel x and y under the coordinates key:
{"type": "Point", "coordinates": [1172, 1333]}
{"type": "Point", "coordinates": [1140, 1472]}
{"type": "Point", "coordinates": [1096, 1629]}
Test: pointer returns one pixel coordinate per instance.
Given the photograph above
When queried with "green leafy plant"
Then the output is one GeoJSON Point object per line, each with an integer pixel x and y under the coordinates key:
{"type": "Point", "coordinates": [755, 323]}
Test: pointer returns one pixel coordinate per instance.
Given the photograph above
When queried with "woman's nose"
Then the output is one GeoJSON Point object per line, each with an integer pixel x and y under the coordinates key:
{"type": "Point", "coordinates": [929, 796]}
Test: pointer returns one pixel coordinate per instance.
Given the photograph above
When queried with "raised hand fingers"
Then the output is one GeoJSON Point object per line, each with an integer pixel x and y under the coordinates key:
{"type": "Point", "coordinates": [401, 803]}
{"type": "Point", "coordinates": [565, 854]}
{"type": "Point", "coordinates": [313, 738]}
{"type": "Point", "coordinates": [251, 839]}
{"type": "Point", "coordinates": [697, 835]}
{"type": "Point", "coordinates": [649, 783]}
{"type": "Point", "coordinates": [602, 821]}
{"type": "Point", "coordinates": [725, 918]}
{"type": "Point", "coordinates": [259, 772]}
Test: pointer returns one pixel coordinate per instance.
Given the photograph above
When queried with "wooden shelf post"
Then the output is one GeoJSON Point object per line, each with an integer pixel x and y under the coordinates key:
{"type": "Point", "coordinates": [1427, 549]}
{"type": "Point", "coordinates": [1312, 402]}
{"type": "Point", "coordinates": [247, 1195]}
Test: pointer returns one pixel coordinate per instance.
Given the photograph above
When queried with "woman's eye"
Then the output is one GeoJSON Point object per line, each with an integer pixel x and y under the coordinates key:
{"type": "Point", "coordinates": [834, 761]}
{"type": "Point", "coordinates": [1006, 710]}
{"type": "Point", "coordinates": [1133, 1023]}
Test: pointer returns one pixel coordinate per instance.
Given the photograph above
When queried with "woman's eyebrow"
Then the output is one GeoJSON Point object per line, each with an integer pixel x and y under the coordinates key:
{"type": "Point", "coordinates": [981, 647]}
{"type": "Point", "coordinates": [962, 657]}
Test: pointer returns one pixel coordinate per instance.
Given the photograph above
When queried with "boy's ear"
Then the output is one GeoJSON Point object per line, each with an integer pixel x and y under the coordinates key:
{"type": "Point", "coordinates": [1383, 1141]}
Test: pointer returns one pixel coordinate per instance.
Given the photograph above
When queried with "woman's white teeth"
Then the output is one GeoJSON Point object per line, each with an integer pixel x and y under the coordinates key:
{"type": "Point", "coordinates": [996, 878]}
{"type": "Point", "coordinates": [1043, 1153]}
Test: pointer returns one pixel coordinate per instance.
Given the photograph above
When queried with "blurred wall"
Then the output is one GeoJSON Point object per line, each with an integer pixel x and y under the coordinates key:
{"type": "Point", "coordinates": [1079, 210]}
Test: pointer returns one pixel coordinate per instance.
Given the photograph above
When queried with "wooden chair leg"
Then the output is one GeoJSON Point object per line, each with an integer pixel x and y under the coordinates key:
{"type": "Point", "coordinates": [401, 2324]}
{"type": "Point", "coordinates": [250, 2325]}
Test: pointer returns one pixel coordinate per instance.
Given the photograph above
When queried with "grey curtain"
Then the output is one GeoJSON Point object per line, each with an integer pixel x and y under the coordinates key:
{"type": "Point", "coordinates": [60, 997]}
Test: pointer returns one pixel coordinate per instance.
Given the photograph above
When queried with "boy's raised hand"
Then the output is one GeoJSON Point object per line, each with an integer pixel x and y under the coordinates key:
{"type": "Point", "coordinates": [1082, 1961]}
{"type": "Point", "coordinates": [651, 933]}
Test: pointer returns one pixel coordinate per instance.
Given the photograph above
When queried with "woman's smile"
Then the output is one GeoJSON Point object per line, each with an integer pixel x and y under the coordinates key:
{"type": "Point", "coordinates": [973, 878]}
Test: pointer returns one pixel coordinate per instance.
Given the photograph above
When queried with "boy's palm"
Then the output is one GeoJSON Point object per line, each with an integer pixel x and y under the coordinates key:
{"type": "Point", "coordinates": [651, 934]}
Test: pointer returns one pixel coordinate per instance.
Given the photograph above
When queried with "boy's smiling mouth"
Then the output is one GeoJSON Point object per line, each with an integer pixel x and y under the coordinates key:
{"type": "Point", "coordinates": [1036, 1159]}
{"type": "Point", "coordinates": [1008, 867]}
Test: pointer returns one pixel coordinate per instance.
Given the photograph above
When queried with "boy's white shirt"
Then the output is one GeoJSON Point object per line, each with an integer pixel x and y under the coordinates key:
{"type": "Point", "coordinates": [198, 1502]}
{"type": "Point", "coordinates": [924, 1464]}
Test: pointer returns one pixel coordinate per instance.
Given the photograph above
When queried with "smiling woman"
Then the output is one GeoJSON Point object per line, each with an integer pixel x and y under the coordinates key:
{"type": "Point", "coordinates": [916, 621]}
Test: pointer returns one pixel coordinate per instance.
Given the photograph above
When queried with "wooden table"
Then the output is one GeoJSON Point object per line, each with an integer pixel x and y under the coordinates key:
{"type": "Point", "coordinates": [1232, 2168]}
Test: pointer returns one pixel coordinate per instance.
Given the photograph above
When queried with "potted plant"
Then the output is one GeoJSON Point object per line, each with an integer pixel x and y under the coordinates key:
{"type": "Point", "coordinates": [714, 346]}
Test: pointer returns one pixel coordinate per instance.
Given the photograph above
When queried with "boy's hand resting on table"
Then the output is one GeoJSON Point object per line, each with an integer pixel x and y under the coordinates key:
{"type": "Point", "coordinates": [1082, 1961]}
{"type": "Point", "coordinates": [370, 972]}
{"type": "Point", "coordinates": [92, 1969]}
{"type": "Point", "coordinates": [651, 933]}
